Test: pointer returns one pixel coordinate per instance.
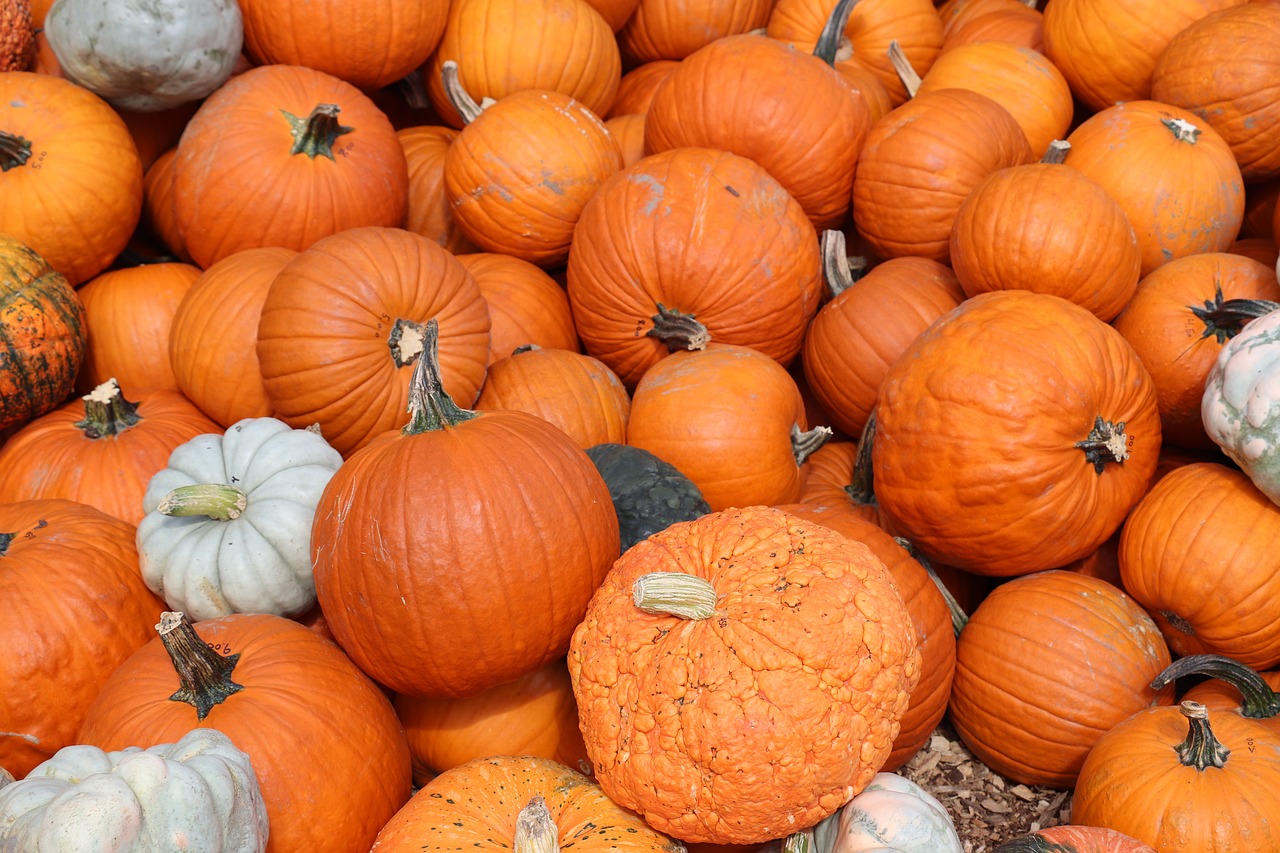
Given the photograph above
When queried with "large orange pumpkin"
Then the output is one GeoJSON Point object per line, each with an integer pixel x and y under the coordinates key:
{"type": "Point", "coordinates": [673, 29]}
{"type": "Point", "coordinates": [1014, 435]}
{"type": "Point", "coordinates": [526, 305]}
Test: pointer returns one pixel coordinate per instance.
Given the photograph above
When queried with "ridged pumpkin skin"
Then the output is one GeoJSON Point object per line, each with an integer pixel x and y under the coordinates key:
{"type": "Point", "coordinates": [696, 724]}
{"type": "Point", "coordinates": [75, 607]}
{"type": "Point", "coordinates": [71, 179]}
{"type": "Point", "coordinates": [429, 213]}
{"type": "Point", "coordinates": [1171, 561]}
{"type": "Point", "coordinates": [702, 232]}
{"type": "Point", "coordinates": [237, 183]}
{"type": "Point", "coordinates": [325, 743]}
{"type": "Point", "coordinates": [991, 448]}
{"type": "Point", "coordinates": [1045, 666]}
{"type": "Point", "coordinates": [674, 29]}
{"type": "Point", "coordinates": [476, 806]}
{"type": "Point", "coordinates": [42, 326]}
{"type": "Point", "coordinates": [638, 86]}
{"type": "Point", "coordinates": [157, 204]}
{"type": "Point", "coordinates": [1171, 173]}
{"type": "Point", "coordinates": [526, 305]}
{"type": "Point", "coordinates": [787, 110]}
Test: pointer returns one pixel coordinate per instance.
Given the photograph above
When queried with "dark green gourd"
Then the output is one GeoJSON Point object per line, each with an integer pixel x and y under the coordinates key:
{"type": "Point", "coordinates": [648, 494]}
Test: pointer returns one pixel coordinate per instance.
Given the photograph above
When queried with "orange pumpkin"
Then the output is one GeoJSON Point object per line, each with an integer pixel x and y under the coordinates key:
{"type": "Point", "coordinates": [1012, 22]}
{"type": "Point", "coordinates": [638, 86]}
{"type": "Point", "coordinates": [1069, 838]}
{"type": "Point", "coordinates": [75, 608]}
{"type": "Point", "coordinates": [673, 29]}
{"type": "Point", "coordinates": [70, 174]}
{"type": "Point", "coordinates": [429, 213]}
{"type": "Point", "coordinates": [526, 305]}
{"type": "Point", "coordinates": [157, 204]}
{"type": "Point", "coordinates": [628, 130]}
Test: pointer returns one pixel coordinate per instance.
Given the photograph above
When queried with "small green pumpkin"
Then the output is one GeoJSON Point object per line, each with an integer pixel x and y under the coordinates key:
{"type": "Point", "coordinates": [648, 493]}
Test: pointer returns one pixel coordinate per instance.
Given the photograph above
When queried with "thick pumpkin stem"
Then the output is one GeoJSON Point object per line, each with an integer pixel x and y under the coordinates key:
{"type": "Point", "coordinates": [674, 594]}
{"type": "Point", "coordinates": [906, 73]}
{"type": "Point", "coordinates": [204, 673]}
{"type": "Point", "coordinates": [958, 617]}
{"type": "Point", "coordinates": [839, 270]}
{"type": "Point", "coordinates": [535, 831]}
{"type": "Point", "coordinates": [1224, 318]}
{"type": "Point", "coordinates": [1182, 130]}
{"type": "Point", "coordinates": [1258, 700]}
{"type": "Point", "coordinates": [805, 442]}
{"type": "Point", "coordinates": [316, 134]}
{"type": "Point", "coordinates": [1056, 152]}
{"type": "Point", "coordinates": [1106, 442]}
{"type": "Point", "coordinates": [833, 32]}
{"type": "Point", "coordinates": [15, 151]}
{"type": "Point", "coordinates": [219, 501]}
{"type": "Point", "coordinates": [458, 96]}
{"type": "Point", "coordinates": [861, 489]}
{"type": "Point", "coordinates": [406, 341]}
{"type": "Point", "coordinates": [107, 412]}
{"type": "Point", "coordinates": [800, 842]}
{"type": "Point", "coordinates": [1201, 749]}
{"type": "Point", "coordinates": [430, 406]}
{"type": "Point", "coordinates": [678, 330]}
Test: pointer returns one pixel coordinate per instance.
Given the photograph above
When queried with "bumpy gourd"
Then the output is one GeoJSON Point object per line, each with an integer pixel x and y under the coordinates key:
{"type": "Point", "coordinates": [228, 523]}
{"type": "Point", "coordinates": [649, 494]}
{"type": "Point", "coordinates": [199, 793]}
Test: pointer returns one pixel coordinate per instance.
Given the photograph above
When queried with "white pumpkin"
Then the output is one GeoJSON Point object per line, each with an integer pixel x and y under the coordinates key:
{"type": "Point", "coordinates": [146, 55]}
{"type": "Point", "coordinates": [228, 523]}
{"type": "Point", "coordinates": [199, 794]}
{"type": "Point", "coordinates": [1241, 403]}
{"type": "Point", "coordinates": [894, 815]}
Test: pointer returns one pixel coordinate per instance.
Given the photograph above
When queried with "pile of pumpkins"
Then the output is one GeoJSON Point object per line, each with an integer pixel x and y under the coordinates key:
{"type": "Point", "coordinates": [636, 423]}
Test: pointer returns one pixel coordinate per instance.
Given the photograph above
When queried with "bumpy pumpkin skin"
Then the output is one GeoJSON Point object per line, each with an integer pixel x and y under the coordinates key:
{"type": "Point", "coordinates": [1074, 839]}
{"type": "Point", "coordinates": [697, 725]}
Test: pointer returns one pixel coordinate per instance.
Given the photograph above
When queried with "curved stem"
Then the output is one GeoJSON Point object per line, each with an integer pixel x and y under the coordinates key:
{"type": "Point", "coordinates": [910, 79]}
{"type": "Point", "coordinates": [458, 96]}
{"type": "Point", "coordinates": [959, 618]}
{"type": "Point", "coordinates": [219, 501]}
{"type": "Point", "coordinates": [430, 406]}
{"type": "Point", "coordinates": [535, 831]}
{"type": "Point", "coordinates": [861, 488]}
{"type": "Point", "coordinates": [805, 442]}
{"type": "Point", "coordinates": [1105, 443]}
{"type": "Point", "coordinates": [15, 151]}
{"type": "Point", "coordinates": [678, 330]}
{"type": "Point", "coordinates": [833, 32]}
{"type": "Point", "coordinates": [107, 412]}
{"type": "Point", "coordinates": [1224, 318]}
{"type": "Point", "coordinates": [316, 134]}
{"type": "Point", "coordinates": [1201, 749]}
{"type": "Point", "coordinates": [205, 675]}
{"type": "Point", "coordinates": [1056, 152]}
{"type": "Point", "coordinates": [674, 594]}
{"type": "Point", "coordinates": [839, 271]}
{"type": "Point", "coordinates": [1259, 701]}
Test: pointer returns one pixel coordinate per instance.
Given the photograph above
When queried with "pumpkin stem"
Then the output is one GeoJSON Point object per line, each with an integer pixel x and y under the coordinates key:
{"type": "Point", "coordinates": [833, 32]}
{"type": "Point", "coordinates": [107, 412]}
{"type": "Point", "coordinates": [1107, 442]}
{"type": "Point", "coordinates": [958, 617]}
{"type": "Point", "coordinates": [1224, 318]}
{"type": "Point", "coordinates": [406, 341]}
{"type": "Point", "coordinates": [1182, 130]}
{"type": "Point", "coordinates": [678, 330]}
{"type": "Point", "coordinates": [218, 501]}
{"type": "Point", "coordinates": [1259, 701]}
{"type": "Point", "coordinates": [525, 348]}
{"type": "Point", "coordinates": [413, 91]}
{"type": "Point", "coordinates": [5, 539]}
{"type": "Point", "coordinates": [800, 842]}
{"type": "Point", "coordinates": [205, 674]}
{"type": "Point", "coordinates": [535, 831]}
{"type": "Point", "coordinates": [861, 488]}
{"type": "Point", "coordinates": [1201, 749]}
{"type": "Point", "coordinates": [14, 151]}
{"type": "Point", "coordinates": [458, 96]}
{"type": "Point", "coordinates": [1056, 152]}
{"type": "Point", "coordinates": [839, 270]}
{"type": "Point", "coordinates": [315, 135]}
{"type": "Point", "coordinates": [805, 442]}
{"type": "Point", "coordinates": [910, 79]}
{"type": "Point", "coordinates": [674, 594]}
{"type": "Point", "coordinates": [430, 406]}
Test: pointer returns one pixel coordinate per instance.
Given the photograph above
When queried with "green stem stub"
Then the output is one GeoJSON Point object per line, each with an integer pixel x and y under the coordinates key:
{"type": "Point", "coordinates": [535, 831]}
{"type": "Point", "coordinates": [107, 412]}
{"type": "Point", "coordinates": [674, 594]}
{"type": "Point", "coordinates": [205, 675]}
{"type": "Point", "coordinates": [1224, 318]}
{"type": "Point", "coordinates": [5, 539]}
{"type": "Point", "coordinates": [316, 134]}
{"type": "Point", "coordinates": [1105, 443]}
{"type": "Point", "coordinates": [1201, 749]}
{"type": "Point", "coordinates": [219, 501]}
{"type": "Point", "coordinates": [430, 406]}
{"type": "Point", "coordinates": [15, 151]}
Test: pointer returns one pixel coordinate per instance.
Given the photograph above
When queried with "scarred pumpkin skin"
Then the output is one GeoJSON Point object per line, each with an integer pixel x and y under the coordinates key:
{"type": "Point", "coordinates": [696, 724]}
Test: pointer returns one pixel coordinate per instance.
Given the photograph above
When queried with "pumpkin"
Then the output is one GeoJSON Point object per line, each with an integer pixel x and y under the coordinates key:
{"type": "Point", "coordinates": [1171, 562]}
{"type": "Point", "coordinates": [1182, 317]}
{"type": "Point", "coordinates": [673, 29]}
{"type": "Point", "coordinates": [214, 335]}
{"type": "Point", "coordinates": [715, 649]}
{"type": "Point", "coordinates": [1049, 229]}
{"type": "Point", "coordinates": [533, 715]}
{"type": "Point", "coordinates": [628, 131]}
{"type": "Point", "coordinates": [648, 493]}
{"type": "Point", "coordinates": [157, 205]}
{"type": "Point", "coordinates": [614, 12]}
{"type": "Point", "coordinates": [1047, 664]}
{"type": "Point", "coordinates": [919, 163]}
{"type": "Point", "coordinates": [75, 608]}
{"type": "Point", "coordinates": [200, 789]}
{"type": "Point", "coordinates": [228, 522]}
{"type": "Point", "coordinates": [17, 36]}
{"type": "Point", "coordinates": [342, 326]}
{"type": "Point", "coordinates": [42, 324]}
{"type": "Point", "coordinates": [1145, 154]}
{"type": "Point", "coordinates": [428, 213]}
{"type": "Point", "coordinates": [385, 40]}
{"type": "Point", "coordinates": [787, 110]}
{"type": "Point", "coordinates": [329, 753]}
{"type": "Point", "coordinates": [638, 86]}
{"type": "Point", "coordinates": [140, 56]}
{"type": "Point", "coordinates": [447, 506]}
{"type": "Point", "coordinates": [1011, 22]}
{"type": "Point", "coordinates": [891, 815]}
{"type": "Point", "coordinates": [283, 155]}
{"type": "Point", "coordinates": [516, 803]}
{"type": "Point", "coordinates": [526, 305]}
{"type": "Point", "coordinates": [1070, 838]}
{"type": "Point", "coordinates": [731, 419]}
{"type": "Point", "coordinates": [1232, 686]}
{"type": "Point", "coordinates": [1238, 405]}
{"type": "Point", "coordinates": [573, 391]}
{"type": "Point", "coordinates": [69, 173]}
{"type": "Point", "coordinates": [1028, 411]}
{"type": "Point", "coordinates": [1184, 780]}
{"type": "Point", "coordinates": [130, 314]}
{"type": "Point", "coordinates": [686, 244]}
{"type": "Point", "coordinates": [100, 450]}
